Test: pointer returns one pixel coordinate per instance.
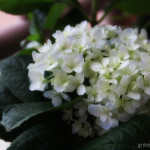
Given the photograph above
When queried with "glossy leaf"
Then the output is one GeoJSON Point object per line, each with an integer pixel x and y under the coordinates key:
{"type": "Point", "coordinates": [6, 97]}
{"type": "Point", "coordinates": [15, 115]}
{"type": "Point", "coordinates": [22, 7]}
{"type": "Point", "coordinates": [50, 135]}
{"type": "Point", "coordinates": [27, 51]}
{"type": "Point", "coordinates": [124, 137]}
{"type": "Point", "coordinates": [15, 78]}
{"type": "Point", "coordinates": [54, 14]}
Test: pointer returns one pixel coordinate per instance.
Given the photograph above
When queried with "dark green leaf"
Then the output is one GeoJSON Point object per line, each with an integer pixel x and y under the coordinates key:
{"type": "Point", "coordinates": [22, 7]}
{"type": "Point", "coordinates": [54, 14]}
{"type": "Point", "coordinates": [124, 137]}
{"type": "Point", "coordinates": [51, 135]}
{"type": "Point", "coordinates": [27, 51]}
{"type": "Point", "coordinates": [6, 97]}
{"type": "Point", "coordinates": [15, 115]}
{"type": "Point", "coordinates": [15, 78]}
{"type": "Point", "coordinates": [33, 37]}
{"type": "Point", "coordinates": [138, 7]}
{"type": "Point", "coordinates": [72, 18]}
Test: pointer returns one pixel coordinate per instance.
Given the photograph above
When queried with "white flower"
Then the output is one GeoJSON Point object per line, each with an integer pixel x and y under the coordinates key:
{"type": "Point", "coordinates": [56, 97]}
{"type": "Point", "coordinates": [46, 47]}
{"type": "Point", "coordinates": [73, 62]}
{"type": "Point", "coordinates": [108, 66]}
{"type": "Point", "coordinates": [108, 123]}
{"type": "Point", "coordinates": [62, 82]}
{"type": "Point", "coordinates": [103, 114]}
{"type": "Point", "coordinates": [97, 36]}
{"type": "Point", "coordinates": [37, 81]}
{"type": "Point", "coordinates": [100, 67]}
{"type": "Point", "coordinates": [129, 34]}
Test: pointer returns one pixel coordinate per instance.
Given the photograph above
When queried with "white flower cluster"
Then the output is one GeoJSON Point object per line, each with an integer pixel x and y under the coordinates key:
{"type": "Point", "coordinates": [108, 66]}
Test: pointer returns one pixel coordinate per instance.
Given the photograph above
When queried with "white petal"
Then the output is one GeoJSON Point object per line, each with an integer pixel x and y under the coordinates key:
{"type": "Point", "coordinates": [147, 77]}
{"type": "Point", "coordinates": [65, 97]}
{"type": "Point", "coordinates": [80, 77]}
{"type": "Point", "coordinates": [143, 34]}
{"type": "Point", "coordinates": [94, 110]}
{"type": "Point", "coordinates": [129, 108]}
{"type": "Point", "coordinates": [103, 117]}
{"type": "Point", "coordinates": [59, 88]}
{"type": "Point", "coordinates": [114, 123]}
{"type": "Point", "coordinates": [111, 97]}
{"type": "Point", "coordinates": [140, 82]}
{"type": "Point", "coordinates": [78, 69]}
{"type": "Point", "coordinates": [105, 124]}
{"type": "Point", "coordinates": [134, 95]}
{"type": "Point", "coordinates": [125, 81]}
{"type": "Point", "coordinates": [37, 86]}
{"type": "Point", "coordinates": [105, 62]}
{"type": "Point", "coordinates": [66, 68]}
{"type": "Point", "coordinates": [68, 50]}
{"type": "Point", "coordinates": [109, 106]}
{"type": "Point", "coordinates": [49, 94]}
{"type": "Point", "coordinates": [124, 64]}
{"type": "Point", "coordinates": [81, 89]}
{"type": "Point", "coordinates": [103, 86]}
{"type": "Point", "coordinates": [76, 127]}
{"type": "Point", "coordinates": [96, 66]}
{"type": "Point", "coordinates": [147, 90]}
{"type": "Point", "coordinates": [52, 66]}
{"type": "Point", "coordinates": [123, 117]}
{"type": "Point", "coordinates": [56, 101]}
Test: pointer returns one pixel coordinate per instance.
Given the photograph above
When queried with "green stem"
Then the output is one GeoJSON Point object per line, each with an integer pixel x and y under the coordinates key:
{"type": "Point", "coordinates": [78, 7]}
{"type": "Point", "coordinates": [94, 11]}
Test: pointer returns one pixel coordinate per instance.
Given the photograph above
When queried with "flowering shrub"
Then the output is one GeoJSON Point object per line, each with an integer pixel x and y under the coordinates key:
{"type": "Point", "coordinates": [108, 67]}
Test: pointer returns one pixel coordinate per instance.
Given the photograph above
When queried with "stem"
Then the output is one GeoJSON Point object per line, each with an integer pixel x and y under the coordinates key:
{"type": "Point", "coordinates": [108, 9]}
{"type": "Point", "coordinates": [94, 11]}
{"type": "Point", "coordinates": [78, 7]}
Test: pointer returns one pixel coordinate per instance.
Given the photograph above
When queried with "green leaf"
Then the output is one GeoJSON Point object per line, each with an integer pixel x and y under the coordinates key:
{"type": "Point", "coordinates": [124, 137]}
{"type": "Point", "coordinates": [138, 7]}
{"type": "Point", "coordinates": [22, 7]}
{"type": "Point", "coordinates": [15, 115]}
{"type": "Point", "coordinates": [51, 135]}
{"type": "Point", "coordinates": [27, 51]}
{"type": "Point", "coordinates": [14, 74]}
{"type": "Point", "coordinates": [33, 37]}
{"type": "Point", "coordinates": [72, 18]}
{"type": "Point", "coordinates": [6, 97]}
{"type": "Point", "coordinates": [54, 15]}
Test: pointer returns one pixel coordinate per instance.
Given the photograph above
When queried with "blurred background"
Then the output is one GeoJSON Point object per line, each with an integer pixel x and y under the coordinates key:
{"type": "Point", "coordinates": [16, 28]}
{"type": "Point", "coordinates": [31, 27]}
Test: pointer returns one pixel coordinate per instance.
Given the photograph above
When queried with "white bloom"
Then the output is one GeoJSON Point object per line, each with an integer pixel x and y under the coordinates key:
{"type": "Point", "coordinates": [37, 81]}
{"type": "Point", "coordinates": [56, 97]}
{"type": "Point", "coordinates": [46, 47]}
{"type": "Point", "coordinates": [107, 66]}
{"type": "Point", "coordinates": [100, 67]}
{"type": "Point", "coordinates": [73, 62]}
